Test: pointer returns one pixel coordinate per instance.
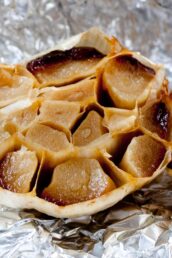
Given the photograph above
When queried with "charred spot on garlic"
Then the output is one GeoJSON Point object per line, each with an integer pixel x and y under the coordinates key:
{"type": "Point", "coordinates": [59, 56]}
{"type": "Point", "coordinates": [156, 118]}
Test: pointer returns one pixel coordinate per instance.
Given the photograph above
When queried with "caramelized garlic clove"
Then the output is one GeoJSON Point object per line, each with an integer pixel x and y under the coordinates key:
{"type": "Point", "coordinates": [127, 80]}
{"type": "Point", "coordinates": [156, 117]}
{"type": "Point", "coordinates": [90, 129]}
{"type": "Point", "coordinates": [81, 91]}
{"type": "Point", "coordinates": [77, 180]}
{"type": "Point", "coordinates": [17, 170]}
{"type": "Point", "coordinates": [59, 113]}
{"type": "Point", "coordinates": [47, 137]}
{"type": "Point", "coordinates": [143, 156]}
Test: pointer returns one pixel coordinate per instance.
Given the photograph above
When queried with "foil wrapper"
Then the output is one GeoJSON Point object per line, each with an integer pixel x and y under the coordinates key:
{"type": "Point", "coordinates": [140, 226]}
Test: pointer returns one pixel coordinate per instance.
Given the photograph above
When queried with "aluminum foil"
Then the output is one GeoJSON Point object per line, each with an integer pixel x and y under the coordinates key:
{"type": "Point", "coordinates": [138, 227]}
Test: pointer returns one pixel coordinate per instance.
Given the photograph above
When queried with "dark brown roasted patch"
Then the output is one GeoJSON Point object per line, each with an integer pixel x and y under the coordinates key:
{"type": "Point", "coordinates": [59, 56]}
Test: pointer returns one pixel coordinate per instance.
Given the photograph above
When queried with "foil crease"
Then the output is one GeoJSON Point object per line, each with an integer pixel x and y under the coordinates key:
{"type": "Point", "coordinates": [140, 226]}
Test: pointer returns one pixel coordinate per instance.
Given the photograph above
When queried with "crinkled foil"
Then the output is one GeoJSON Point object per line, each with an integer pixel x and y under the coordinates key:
{"type": "Point", "coordinates": [138, 227]}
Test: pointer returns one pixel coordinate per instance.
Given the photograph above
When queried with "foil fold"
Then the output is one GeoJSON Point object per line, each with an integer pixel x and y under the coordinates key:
{"type": "Point", "coordinates": [138, 227]}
